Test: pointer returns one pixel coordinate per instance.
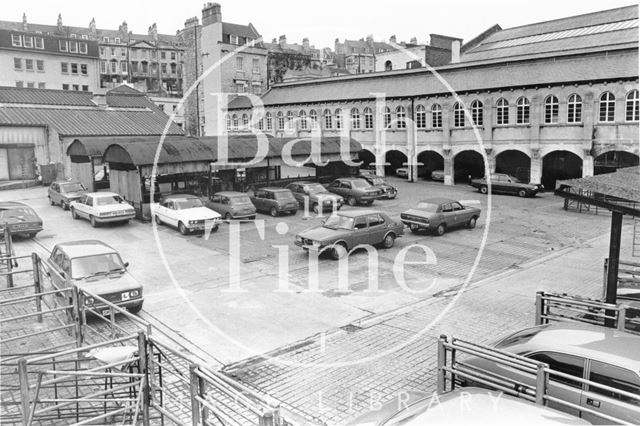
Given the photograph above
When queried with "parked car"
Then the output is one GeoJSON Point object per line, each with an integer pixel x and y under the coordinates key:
{"type": "Point", "coordinates": [402, 172]}
{"type": "Point", "coordinates": [388, 191]}
{"type": "Point", "coordinates": [98, 268]}
{"type": "Point", "coordinates": [469, 405]}
{"type": "Point", "coordinates": [275, 201]}
{"type": "Point", "coordinates": [355, 191]}
{"type": "Point", "coordinates": [19, 218]}
{"type": "Point", "coordinates": [186, 213]}
{"type": "Point", "coordinates": [506, 184]}
{"type": "Point", "coordinates": [602, 355]}
{"type": "Point", "coordinates": [64, 192]}
{"type": "Point", "coordinates": [316, 195]}
{"type": "Point", "coordinates": [439, 215]}
{"type": "Point", "coordinates": [232, 205]}
{"type": "Point", "coordinates": [437, 175]}
{"type": "Point", "coordinates": [348, 230]}
{"type": "Point", "coordinates": [102, 207]}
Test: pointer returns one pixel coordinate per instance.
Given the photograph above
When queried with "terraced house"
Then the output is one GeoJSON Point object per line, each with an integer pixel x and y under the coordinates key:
{"type": "Point", "coordinates": [550, 100]}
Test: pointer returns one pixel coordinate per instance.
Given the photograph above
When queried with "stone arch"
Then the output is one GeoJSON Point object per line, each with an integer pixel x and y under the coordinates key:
{"type": "Point", "coordinates": [515, 163]}
{"type": "Point", "coordinates": [467, 163]}
{"type": "Point", "coordinates": [429, 161]}
{"type": "Point", "coordinates": [610, 161]}
{"type": "Point", "coordinates": [367, 157]}
{"type": "Point", "coordinates": [395, 159]}
{"type": "Point", "coordinates": [559, 165]}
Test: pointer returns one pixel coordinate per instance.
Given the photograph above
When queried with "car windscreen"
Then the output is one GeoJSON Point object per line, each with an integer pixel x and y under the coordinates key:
{"type": "Point", "coordinates": [428, 207]}
{"type": "Point", "coordinates": [240, 199]}
{"type": "Point", "coordinates": [377, 181]}
{"type": "Point", "coordinates": [360, 183]}
{"type": "Point", "coordinates": [17, 212]}
{"type": "Point", "coordinates": [106, 201]}
{"type": "Point", "coordinates": [83, 267]}
{"type": "Point", "coordinates": [188, 203]}
{"type": "Point", "coordinates": [339, 222]}
{"type": "Point", "coordinates": [71, 187]}
{"type": "Point", "coordinates": [518, 338]}
{"type": "Point", "coordinates": [283, 196]}
{"type": "Point", "coordinates": [315, 188]}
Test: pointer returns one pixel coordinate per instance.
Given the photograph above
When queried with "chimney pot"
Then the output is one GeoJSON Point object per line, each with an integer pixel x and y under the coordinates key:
{"type": "Point", "coordinates": [392, 39]}
{"type": "Point", "coordinates": [211, 13]}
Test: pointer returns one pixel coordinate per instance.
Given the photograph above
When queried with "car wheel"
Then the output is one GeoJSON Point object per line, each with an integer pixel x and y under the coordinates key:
{"type": "Point", "coordinates": [125, 222]}
{"type": "Point", "coordinates": [274, 212]}
{"type": "Point", "coordinates": [414, 228]}
{"type": "Point", "coordinates": [51, 201]}
{"type": "Point", "coordinates": [227, 216]}
{"type": "Point", "coordinates": [472, 222]}
{"type": "Point", "coordinates": [338, 251]}
{"type": "Point", "coordinates": [156, 218]}
{"type": "Point", "coordinates": [74, 214]}
{"type": "Point", "coordinates": [316, 208]}
{"type": "Point", "coordinates": [135, 309]}
{"type": "Point", "coordinates": [388, 241]}
{"type": "Point", "coordinates": [93, 221]}
{"type": "Point", "coordinates": [522, 193]}
{"type": "Point", "coordinates": [31, 234]}
{"type": "Point", "coordinates": [484, 189]}
{"type": "Point", "coordinates": [292, 212]}
{"type": "Point", "coordinates": [441, 229]}
{"type": "Point", "coordinates": [183, 229]}
{"type": "Point", "coordinates": [214, 229]}
{"type": "Point", "coordinates": [352, 201]}
{"type": "Point", "coordinates": [64, 205]}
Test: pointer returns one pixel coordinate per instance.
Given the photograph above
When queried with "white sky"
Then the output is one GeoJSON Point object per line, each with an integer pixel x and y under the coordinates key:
{"type": "Point", "coordinates": [322, 21]}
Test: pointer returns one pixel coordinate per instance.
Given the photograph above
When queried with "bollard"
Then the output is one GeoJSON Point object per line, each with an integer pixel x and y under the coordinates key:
{"type": "Point", "coordinates": [9, 246]}
{"type": "Point", "coordinates": [24, 390]}
{"type": "Point", "coordinates": [442, 361]}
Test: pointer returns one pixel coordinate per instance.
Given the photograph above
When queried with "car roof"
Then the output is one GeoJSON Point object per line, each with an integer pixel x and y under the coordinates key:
{"type": "Point", "coordinates": [438, 200]}
{"type": "Point", "coordinates": [103, 194]}
{"type": "Point", "coordinates": [60, 182]}
{"type": "Point", "coordinates": [273, 189]}
{"type": "Point", "coordinates": [84, 248]}
{"type": "Point", "coordinates": [179, 196]}
{"type": "Point", "coordinates": [230, 193]}
{"type": "Point", "coordinates": [595, 342]}
{"type": "Point", "coordinates": [359, 212]}
{"type": "Point", "coordinates": [11, 204]}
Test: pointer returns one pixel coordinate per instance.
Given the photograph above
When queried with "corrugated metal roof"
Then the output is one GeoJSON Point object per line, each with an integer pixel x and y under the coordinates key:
{"type": "Point", "coordinates": [461, 77]}
{"type": "Point", "coordinates": [623, 184]}
{"type": "Point", "coordinates": [21, 95]}
{"type": "Point", "coordinates": [96, 121]}
{"type": "Point", "coordinates": [90, 146]}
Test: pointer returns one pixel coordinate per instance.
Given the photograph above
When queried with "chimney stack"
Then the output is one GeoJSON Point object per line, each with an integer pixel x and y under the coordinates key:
{"type": "Point", "coordinates": [282, 40]}
{"type": "Point", "coordinates": [392, 39]}
{"type": "Point", "coordinates": [305, 43]}
{"type": "Point", "coordinates": [455, 51]}
{"type": "Point", "coordinates": [124, 30]}
{"type": "Point", "coordinates": [25, 27]}
{"type": "Point", "coordinates": [414, 40]}
{"type": "Point", "coordinates": [92, 26]}
{"type": "Point", "coordinates": [153, 32]}
{"type": "Point", "coordinates": [59, 22]}
{"type": "Point", "coordinates": [191, 22]}
{"type": "Point", "coordinates": [211, 13]}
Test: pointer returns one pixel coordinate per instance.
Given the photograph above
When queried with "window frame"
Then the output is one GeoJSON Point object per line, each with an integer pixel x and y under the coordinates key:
{"type": "Point", "coordinates": [436, 116]}
{"type": "Point", "coordinates": [634, 111]}
{"type": "Point", "coordinates": [302, 117]}
{"type": "Point", "coordinates": [401, 117]}
{"type": "Point", "coordinates": [477, 113]}
{"type": "Point", "coordinates": [355, 118]}
{"type": "Point", "coordinates": [328, 119]}
{"type": "Point", "coordinates": [607, 108]}
{"type": "Point", "coordinates": [523, 111]}
{"type": "Point", "coordinates": [421, 117]}
{"type": "Point", "coordinates": [368, 118]}
{"type": "Point", "coordinates": [502, 112]}
{"type": "Point", "coordinates": [16, 40]}
{"type": "Point", "coordinates": [458, 115]}
{"type": "Point", "coordinates": [386, 115]}
{"type": "Point", "coordinates": [551, 110]}
{"type": "Point", "coordinates": [574, 108]}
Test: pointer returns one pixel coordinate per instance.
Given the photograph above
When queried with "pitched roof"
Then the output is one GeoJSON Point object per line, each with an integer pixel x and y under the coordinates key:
{"type": "Point", "coordinates": [19, 95]}
{"type": "Point", "coordinates": [127, 97]}
{"type": "Point", "coordinates": [615, 27]}
{"type": "Point", "coordinates": [246, 31]}
{"type": "Point", "coordinates": [623, 184]}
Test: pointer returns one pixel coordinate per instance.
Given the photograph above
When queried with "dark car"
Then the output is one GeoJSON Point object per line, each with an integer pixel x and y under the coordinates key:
{"type": "Point", "coordinates": [440, 214]}
{"type": "Point", "coordinates": [274, 201]}
{"type": "Point", "coordinates": [232, 205]}
{"type": "Point", "coordinates": [355, 191]}
{"type": "Point", "coordinates": [347, 230]}
{"type": "Point", "coordinates": [64, 192]}
{"type": "Point", "coordinates": [506, 184]}
{"type": "Point", "coordinates": [389, 191]}
{"type": "Point", "coordinates": [96, 267]}
{"type": "Point", "coordinates": [314, 196]}
{"type": "Point", "coordinates": [20, 218]}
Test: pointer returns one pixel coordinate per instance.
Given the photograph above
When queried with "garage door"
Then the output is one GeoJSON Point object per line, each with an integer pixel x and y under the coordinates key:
{"type": "Point", "coordinates": [4, 164]}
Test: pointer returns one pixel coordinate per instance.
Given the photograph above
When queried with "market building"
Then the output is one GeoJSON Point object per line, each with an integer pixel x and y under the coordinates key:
{"type": "Point", "coordinates": [546, 101]}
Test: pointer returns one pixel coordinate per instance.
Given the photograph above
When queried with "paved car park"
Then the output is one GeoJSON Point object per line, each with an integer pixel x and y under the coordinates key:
{"type": "Point", "coordinates": [249, 301]}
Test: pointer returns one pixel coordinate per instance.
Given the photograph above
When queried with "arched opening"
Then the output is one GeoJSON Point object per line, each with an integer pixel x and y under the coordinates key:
{"type": "Point", "coordinates": [466, 165]}
{"type": "Point", "coordinates": [388, 66]}
{"type": "Point", "coordinates": [395, 160]}
{"type": "Point", "coordinates": [429, 161]}
{"type": "Point", "coordinates": [559, 165]}
{"type": "Point", "coordinates": [515, 163]}
{"type": "Point", "coordinates": [367, 158]}
{"type": "Point", "coordinates": [613, 160]}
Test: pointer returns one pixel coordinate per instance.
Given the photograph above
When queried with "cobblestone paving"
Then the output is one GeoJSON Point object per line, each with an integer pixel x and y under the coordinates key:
{"type": "Point", "coordinates": [334, 377]}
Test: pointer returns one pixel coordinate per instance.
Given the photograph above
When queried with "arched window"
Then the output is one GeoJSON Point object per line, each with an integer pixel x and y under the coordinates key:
{"type": "Point", "coordinates": [328, 119]}
{"type": "Point", "coordinates": [574, 109]}
{"type": "Point", "coordinates": [245, 121]}
{"type": "Point", "coordinates": [607, 107]}
{"type": "Point", "coordinates": [280, 120]}
{"type": "Point", "coordinates": [436, 116]}
{"type": "Point", "coordinates": [458, 115]}
{"type": "Point", "coordinates": [302, 115]}
{"type": "Point", "coordinates": [269, 119]}
{"type": "Point", "coordinates": [477, 113]}
{"type": "Point", "coordinates": [633, 113]}
{"type": "Point", "coordinates": [290, 124]}
{"type": "Point", "coordinates": [522, 110]}
{"type": "Point", "coordinates": [260, 123]}
{"type": "Point", "coordinates": [387, 117]}
{"type": "Point", "coordinates": [401, 115]}
{"type": "Point", "coordinates": [502, 112]}
{"type": "Point", "coordinates": [313, 117]}
{"type": "Point", "coordinates": [368, 118]}
{"type": "Point", "coordinates": [338, 118]}
{"type": "Point", "coordinates": [388, 66]}
{"type": "Point", "coordinates": [234, 119]}
{"type": "Point", "coordinates": [227, 119]}
{"type": "Point", "coordinates": [421, 117]}
{"type": "Point", "coordinates": [355, 118]}
{"type": "Point", "coordinates": [551, 109]}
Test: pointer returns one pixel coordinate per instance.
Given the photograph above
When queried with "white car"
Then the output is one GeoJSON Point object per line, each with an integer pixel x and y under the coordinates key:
{"type": "Point", "coordinates": [187, 213]}
{"type": "Point", "coordinates": [402, 172]}
{"type": "Point", "coordinates": [102, 207]}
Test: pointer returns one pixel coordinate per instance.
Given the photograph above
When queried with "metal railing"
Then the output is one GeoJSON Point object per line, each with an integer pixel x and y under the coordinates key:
{"type": "Point", "coordinates": [561, 307]}
{"type": "Point", "coordinates": [463, 363]}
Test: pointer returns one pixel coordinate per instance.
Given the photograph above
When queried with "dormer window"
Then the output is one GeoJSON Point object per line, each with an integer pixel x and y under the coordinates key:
{"type": "Point", "coordinates": [117, 40]}
{"type": "Point", "coordinates": [233, 39]}
{"type": "Point", "coordinates": [73, 36]}
{"type": "Point", "coordinates": [63, 45]}
{"type": "Point", "coordinates": [85, 37]}
{"type": "Point", "coordinates": [16, 40]}
{"type": "Point", "coordinates": [105, 39]}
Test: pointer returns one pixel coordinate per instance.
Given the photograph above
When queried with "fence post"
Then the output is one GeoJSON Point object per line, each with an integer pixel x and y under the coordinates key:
{"type": "Point", "coordinates": [539, 307]}
{"type": "Point", "coordinates": [9, 247]}
{"type": "Point", "coordinates": [142, 354]}
{"type": "Point", "coordinates": [541, 384]}
{"type": "Point", "coordinates": [24, 390]}
{"type": "Point", "coordinates": [604, 279]}
{"type": "Point", "coordinates": [266, 419]}
{"type": "Point", "coordinates": [35, 261]}
{"type": "Point", "coordinates": [76, 316]}
{"type": "Point", "coordinates": [442, 362]}
{"type": "Point", "coordinates": [622, 318]}
{"type": "Point", "coordinates": [194, 390]}
{"type": "Point", "coordinates": [151, 371]}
